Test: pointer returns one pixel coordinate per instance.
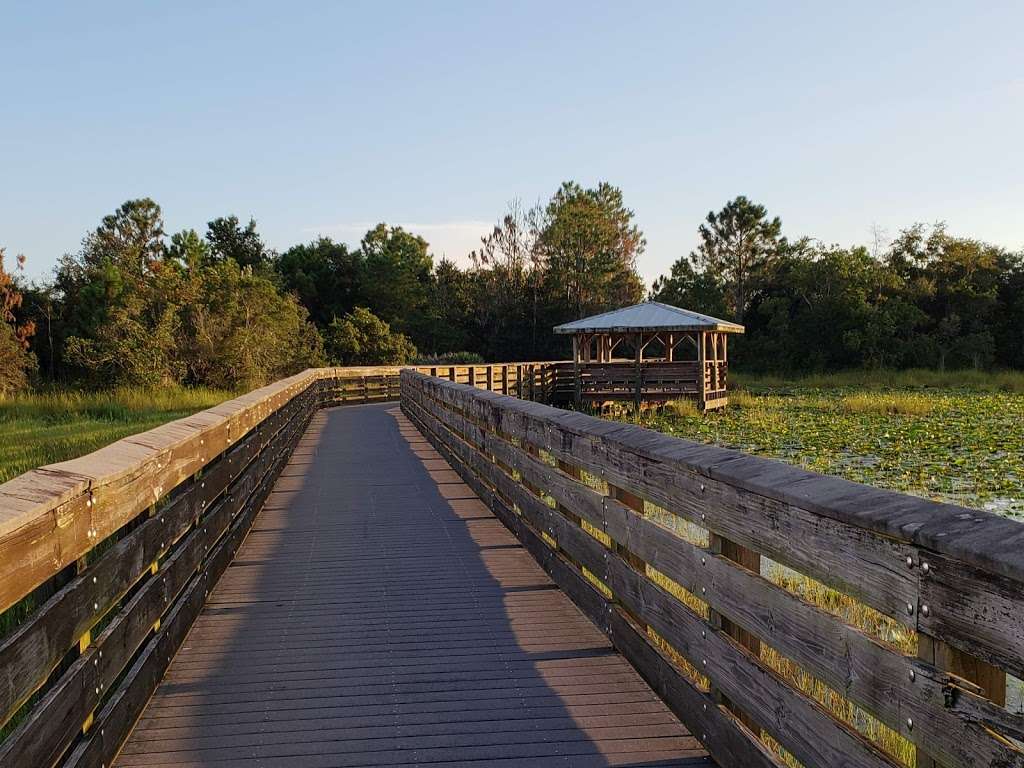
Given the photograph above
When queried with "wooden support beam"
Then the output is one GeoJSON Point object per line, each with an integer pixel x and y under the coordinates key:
{"type": "Point", "coordinates": [639, 370]}
{"type": "Point", "coordinates": [577, 382]}
{"type": "Point", "coordinates": [702, 389]}
{"type": "Point", "coordinates": [991, 680]}
{"type": "Point", "coordinates": [750, 560]}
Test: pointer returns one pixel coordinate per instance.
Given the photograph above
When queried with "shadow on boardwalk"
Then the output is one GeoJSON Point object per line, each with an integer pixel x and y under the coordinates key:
{"type": "Point", "coordinates": [378, 614]}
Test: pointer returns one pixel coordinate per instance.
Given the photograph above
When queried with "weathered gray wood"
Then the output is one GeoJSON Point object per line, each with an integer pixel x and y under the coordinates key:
{"type": "Point", "coordinates": [863, 564]}
{"type": "Point", "coordinates": [977, 612]}
{"type": "Point", "coordinates": [115, 721]}
{"type": "Point", "coordinates": [988, 541]}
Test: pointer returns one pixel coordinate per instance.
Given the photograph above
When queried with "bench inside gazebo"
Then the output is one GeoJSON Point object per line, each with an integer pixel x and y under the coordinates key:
{"type": "Point", "coordinates": [650, 352]}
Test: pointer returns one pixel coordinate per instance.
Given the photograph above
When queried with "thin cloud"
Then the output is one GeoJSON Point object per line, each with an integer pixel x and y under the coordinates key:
{"type": "Point", "coordinates": [449, 239]}
{"type": "Point", "coordinates": [440, 226]}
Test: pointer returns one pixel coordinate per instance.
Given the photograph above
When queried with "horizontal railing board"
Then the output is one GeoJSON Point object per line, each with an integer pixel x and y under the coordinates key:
{"type": "Point", "coordinates": [990, 542]}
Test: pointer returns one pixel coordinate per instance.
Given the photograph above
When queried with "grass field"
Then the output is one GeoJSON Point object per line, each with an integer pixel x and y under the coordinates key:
{"type": "Point", "coordinates": [47, 427]}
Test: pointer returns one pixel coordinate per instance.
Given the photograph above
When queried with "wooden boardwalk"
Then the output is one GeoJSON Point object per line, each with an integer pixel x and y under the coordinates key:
{"type": "Point", "coordinates": [378, 614]}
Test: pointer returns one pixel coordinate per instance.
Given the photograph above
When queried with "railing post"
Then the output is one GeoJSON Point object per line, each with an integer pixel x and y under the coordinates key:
{"type": "Point", "coordinates": [750, 560]}
{"type": "Point", "coordinates": [490, 378]}
{"type": "Point", "coordinates": [991, 680]}
{"type": "Point", "coordinates": [472, 375]}
{"type": "Point", "coordinates": [504, 379]}
{"type": "Point", "coordinates": [451, 373]}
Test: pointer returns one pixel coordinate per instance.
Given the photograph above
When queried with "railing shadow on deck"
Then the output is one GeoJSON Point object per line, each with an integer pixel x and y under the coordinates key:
{"type": "Point", "coordinates": [379, 614]}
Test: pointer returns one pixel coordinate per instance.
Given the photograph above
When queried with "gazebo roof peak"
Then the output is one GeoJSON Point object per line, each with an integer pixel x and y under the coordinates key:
{"type": "Point", "coordinates": [648, 316]}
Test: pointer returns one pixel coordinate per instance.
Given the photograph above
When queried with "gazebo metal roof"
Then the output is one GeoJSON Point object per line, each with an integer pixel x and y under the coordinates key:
{"type": "Point", "coordinates": [648, 316]}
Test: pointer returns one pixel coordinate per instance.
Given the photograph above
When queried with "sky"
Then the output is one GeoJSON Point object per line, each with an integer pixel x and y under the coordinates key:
{"type": "Point", "coordinates": [326, 118]}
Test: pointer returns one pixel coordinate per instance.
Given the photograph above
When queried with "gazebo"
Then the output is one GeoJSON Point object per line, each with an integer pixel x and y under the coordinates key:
{"type": "Point", "coordinates": [665, 353]}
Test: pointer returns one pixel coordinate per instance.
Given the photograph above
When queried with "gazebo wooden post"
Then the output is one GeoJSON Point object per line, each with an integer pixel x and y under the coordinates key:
{"type": "Point", "coordinates": [577, 381]}
{"type": "Point", "coordinates": [725, 360]}
{"type": "Point", "coordinates": [670, 347]}
{"type": "Point", "coordinates": [639, 369]}
{"type": "Point", "coordinates": [702, 391]}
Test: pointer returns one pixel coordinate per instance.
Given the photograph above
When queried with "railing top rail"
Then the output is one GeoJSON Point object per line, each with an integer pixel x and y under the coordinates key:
{"type": "Point", "coordinates": [985, 540]}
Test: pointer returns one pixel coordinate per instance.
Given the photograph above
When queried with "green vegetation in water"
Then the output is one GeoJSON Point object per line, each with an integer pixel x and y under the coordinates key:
{"type": "Point", "coordinates": [43, 428]}
{"type": "Point", "coordinates": [962, 445]}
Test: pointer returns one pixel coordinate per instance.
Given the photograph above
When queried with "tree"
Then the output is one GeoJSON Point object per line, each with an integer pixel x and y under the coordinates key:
{"type": "Point", "coordinates": [957, 282]}
{"type": "Point", "coordinates": [449, 313]}
{"type": "Point", "coordinates": [325, 277]}
{"type": "Point", "coordinates": [510, 268]}
{"type": "Point", "coordinates": [362, 338]}
{"type": "Point", "coordinates": [737, 246]}
{"type": "Point", "coordinates": [591, 244]}
{"type": "Point", "coordinates": [120, 297]}
{"type": "Point", "coordinates": [228, 240]}
{"type": "Point", "coordinates": [130, 239]}
{"type": "Point", "coordinates": [395, 277]}
{"type": "Point", "coordinates": [16, 362]}
{"type": "Point", "coordinates": [685, 287]}
{"type": "Point", "coordinates": [239, 331]}
{"type": "Point", "coordinates": [188, 250]}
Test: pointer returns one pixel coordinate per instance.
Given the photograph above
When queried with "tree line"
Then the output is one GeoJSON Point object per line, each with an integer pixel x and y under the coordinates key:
{"type": "Point", "coordinates": [136, 306]}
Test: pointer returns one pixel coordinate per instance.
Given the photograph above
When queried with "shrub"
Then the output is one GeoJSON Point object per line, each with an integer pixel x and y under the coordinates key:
{"type": "Point", "coordinates": [362, 338]}
{"type": "Point", "coordinates": [450, 358]}
{"type": "Point", "coordinates": [16, 362]}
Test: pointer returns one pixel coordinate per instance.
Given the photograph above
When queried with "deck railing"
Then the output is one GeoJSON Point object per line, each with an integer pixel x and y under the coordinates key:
{"type": "Point", "coordinates": [736, 654]}
{"type": "Point", "coordinates": [106, 560]}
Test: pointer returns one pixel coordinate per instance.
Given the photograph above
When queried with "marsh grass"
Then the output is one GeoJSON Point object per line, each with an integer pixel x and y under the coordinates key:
{"type": "Point", "coordinates": [741, 398]}
{"type": "Point", "coordinates": [56, 425]}
{"type": "Point", "coordinates": [890, 403]}
{"type": "Point", "coordinates": [881, 378]}
{"type": "Point", "coordinates": [681, 407]}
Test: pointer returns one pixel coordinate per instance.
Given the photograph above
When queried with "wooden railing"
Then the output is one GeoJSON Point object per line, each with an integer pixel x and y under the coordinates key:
{"type": "Point", "coordinates": [106, 560]}
{"type": "Point", "coordinates": [651, 382]}
{"type": "Point", "coordinates": [547, 382]}
{"type": "Point", "coordinates": [596, 502]}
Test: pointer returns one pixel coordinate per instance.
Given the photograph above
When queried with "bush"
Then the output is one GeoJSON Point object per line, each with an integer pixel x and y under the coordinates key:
{"type": "Point", "coordinates": [15, 362]}
{"type": "Point", "coordinates": [450, 358]}
{"type": "Point", "coordinates": [362, 338]}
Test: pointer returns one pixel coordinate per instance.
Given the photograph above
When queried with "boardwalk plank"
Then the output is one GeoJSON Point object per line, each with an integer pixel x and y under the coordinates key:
{"type": "Point", "coordinates": [379, 614]}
